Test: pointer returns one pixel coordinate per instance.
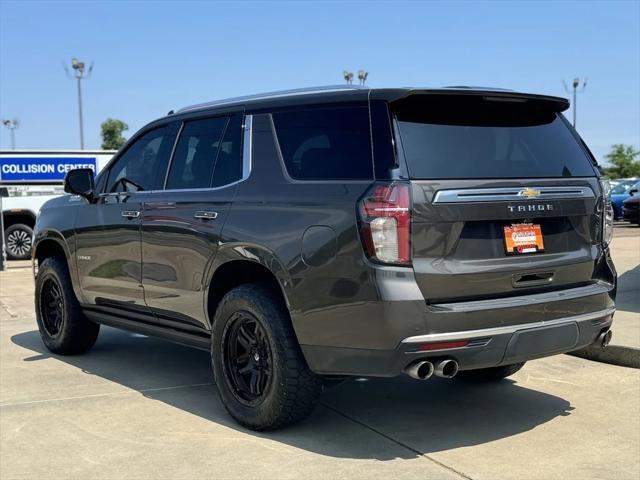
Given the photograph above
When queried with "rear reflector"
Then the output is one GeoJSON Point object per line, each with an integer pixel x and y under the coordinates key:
{"type": "Point", "coordinates": [442, 345]}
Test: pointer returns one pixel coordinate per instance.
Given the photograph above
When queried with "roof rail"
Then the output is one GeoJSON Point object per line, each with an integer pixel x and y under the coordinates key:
{"type": "Point", "coordinates": [276, 94]}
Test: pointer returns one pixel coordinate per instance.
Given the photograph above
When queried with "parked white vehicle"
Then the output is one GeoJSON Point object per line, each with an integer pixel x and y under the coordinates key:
{"type": "Point", "coordinates": [28, 179]}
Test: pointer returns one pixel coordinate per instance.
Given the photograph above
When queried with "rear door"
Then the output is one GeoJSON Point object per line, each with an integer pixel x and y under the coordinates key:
{"type": "Point", "coordinates": [487, 172]}
{"type": "Point", "coordinates": [181, 224]}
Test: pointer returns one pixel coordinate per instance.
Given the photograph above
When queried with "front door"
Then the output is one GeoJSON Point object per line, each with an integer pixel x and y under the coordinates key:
{"type": "Point", "coordinates": [108, 251]}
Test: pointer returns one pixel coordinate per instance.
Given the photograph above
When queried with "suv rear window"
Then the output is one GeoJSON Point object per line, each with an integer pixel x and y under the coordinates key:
{"type": "Point", "coordinates": [325, 143]}
{"type": "Point", "coordinates": [471, 137]}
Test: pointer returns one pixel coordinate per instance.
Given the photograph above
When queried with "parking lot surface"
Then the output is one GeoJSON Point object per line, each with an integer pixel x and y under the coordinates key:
{"type": "Point", "coordinates": [138, 407]}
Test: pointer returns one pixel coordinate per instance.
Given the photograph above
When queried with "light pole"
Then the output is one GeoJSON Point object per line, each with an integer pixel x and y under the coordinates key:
{"type": "Point", "coordinates": [12, 125]}
{"type": "Point", "coordinates": [362, 76]}
{"type": "Point", "coordinates": [80, 74]}
{"type": "Point", "coordinates": [575, 85]}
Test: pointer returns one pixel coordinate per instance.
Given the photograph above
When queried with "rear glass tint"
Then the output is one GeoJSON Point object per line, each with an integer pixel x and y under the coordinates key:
{"type": "Point", "coordinates": [460, 137]}
{"type": "Point", "coordinates": [325, 143]}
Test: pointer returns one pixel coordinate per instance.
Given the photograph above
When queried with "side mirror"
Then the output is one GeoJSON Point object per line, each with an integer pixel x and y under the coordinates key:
{"type": "Point", "coordinates": [80, 182]}
{"type": "Point", "coordinates": [633, 191]}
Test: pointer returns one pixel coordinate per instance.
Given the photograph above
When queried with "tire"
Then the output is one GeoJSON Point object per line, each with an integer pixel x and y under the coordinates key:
{"type": "Point", "coordinates": [277, 388]}
{"type": "Point", "coordinates": [18, 241]}
{"type": "Point", "coordinates": [63, 327]}
{"type": "Point", "coordinates": [493, 374]}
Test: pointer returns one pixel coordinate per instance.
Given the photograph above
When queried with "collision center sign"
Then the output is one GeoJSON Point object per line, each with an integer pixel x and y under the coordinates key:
{"type": "Point", "coordinates": [41, 169]}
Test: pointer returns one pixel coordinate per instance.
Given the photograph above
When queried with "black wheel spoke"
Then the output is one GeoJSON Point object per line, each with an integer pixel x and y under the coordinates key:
{"type": "Point", "coordinates": [52, 307]}
{"type": "Point", "coordinates": [248, 338]}
{"type": "Point", "coordinates": [242, 359]}
{"type": "Point", "coordinates": [247, 357]}
{"type": "Point", "coordinates": [254, 382]}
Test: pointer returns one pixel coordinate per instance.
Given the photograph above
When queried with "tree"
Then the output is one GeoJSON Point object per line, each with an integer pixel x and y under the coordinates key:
{"type": "Point", "coordinates": [111, 131]}
{"type": "Point", "coordinates": [624, 159]}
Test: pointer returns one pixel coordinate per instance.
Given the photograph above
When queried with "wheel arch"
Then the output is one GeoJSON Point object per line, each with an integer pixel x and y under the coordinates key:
{"type": "Point", "coordinates": [15, 216]}
{"type": "Point", "coordinates": [235, 265]}
{"type": "Point", "coordinates": [49, 243]}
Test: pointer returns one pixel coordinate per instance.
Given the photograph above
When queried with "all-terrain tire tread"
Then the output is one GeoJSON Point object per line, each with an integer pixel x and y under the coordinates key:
{"type": "Point", "coordinates": [78, 333]}
{"type": "Point", "coordinates": [300, 387]}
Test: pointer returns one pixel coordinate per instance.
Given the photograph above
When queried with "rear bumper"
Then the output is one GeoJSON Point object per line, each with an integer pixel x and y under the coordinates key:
{"type": "Point", "coordinates": [487, 347]}
{"type": "Point", "coordinates": [497, 331]}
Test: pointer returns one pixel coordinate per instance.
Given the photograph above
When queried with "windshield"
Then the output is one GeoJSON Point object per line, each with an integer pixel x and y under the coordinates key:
{"type": "Point", "coordinates": [621, 188]}
{"type": "Point", "coordinates": [476, 138]}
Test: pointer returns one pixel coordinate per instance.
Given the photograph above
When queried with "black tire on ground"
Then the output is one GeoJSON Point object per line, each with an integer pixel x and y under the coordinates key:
{"type": "Point", "coordinates": [493, 374]}
{"type": "Point", "coordinates": [63, 327]}
{"type": "Point", "coordinates": [18, 238]}
{"type": "Point", "coordinates": [285, 390]}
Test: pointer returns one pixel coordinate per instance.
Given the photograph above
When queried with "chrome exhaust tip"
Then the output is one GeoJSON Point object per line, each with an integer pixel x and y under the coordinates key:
{"type": "Point", "coordinates": [604, 338]}
{"type": "Point", "coordinates": [446, 368]}
{"type": "Point", "coordinates": [421, 370]}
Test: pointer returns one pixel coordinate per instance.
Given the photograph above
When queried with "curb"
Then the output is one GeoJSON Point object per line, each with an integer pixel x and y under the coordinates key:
{"type": "Point", "coordinates": [612, 354]}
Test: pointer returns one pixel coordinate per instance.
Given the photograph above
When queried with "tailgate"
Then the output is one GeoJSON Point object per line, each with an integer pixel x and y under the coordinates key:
{"type": "Point", "coordinates": [480, 163]}
{"type": "Point", "coordinates": [458, 237]}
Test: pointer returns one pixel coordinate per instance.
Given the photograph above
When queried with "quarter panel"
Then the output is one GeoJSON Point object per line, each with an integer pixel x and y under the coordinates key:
{"type": "Point", "coordinates": [273, 212]}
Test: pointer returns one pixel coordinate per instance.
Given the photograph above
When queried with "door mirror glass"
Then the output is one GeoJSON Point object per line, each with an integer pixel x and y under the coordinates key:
{"type": "Point", "coordinates": [80, 182]}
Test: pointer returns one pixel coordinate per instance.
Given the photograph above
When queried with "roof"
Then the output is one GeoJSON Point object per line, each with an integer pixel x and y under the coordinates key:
{"type": "Point", "coordinates": [358, 92]}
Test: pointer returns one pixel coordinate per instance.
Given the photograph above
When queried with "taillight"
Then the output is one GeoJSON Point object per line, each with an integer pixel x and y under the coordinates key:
{"type": "Point", "coordinates": [385, 223]}
{"type": "Point", "coordinates": [607, 211]}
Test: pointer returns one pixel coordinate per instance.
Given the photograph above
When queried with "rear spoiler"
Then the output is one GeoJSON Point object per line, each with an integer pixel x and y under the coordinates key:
{"type": "Point", "coordinates": [393, 95]}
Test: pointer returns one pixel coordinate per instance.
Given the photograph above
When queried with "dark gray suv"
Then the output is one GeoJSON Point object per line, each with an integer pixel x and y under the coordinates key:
{"type": "Point", "coordinates": [311, 235]}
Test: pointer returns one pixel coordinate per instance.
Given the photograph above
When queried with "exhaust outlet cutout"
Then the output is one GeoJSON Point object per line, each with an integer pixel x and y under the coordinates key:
{"type": "Point", "coordinates": [446, 368]}
{"type": "Point", "coordinates": [421, 370]}
{"type": "Point", "coordinates": [605, 338]}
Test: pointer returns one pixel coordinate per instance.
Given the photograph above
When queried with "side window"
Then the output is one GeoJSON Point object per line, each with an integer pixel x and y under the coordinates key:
{"type": "Point", "coordinates": [143, 165]}
{"type": "Point", "coordinates": [229, 164]}
{"type": "Point", "coordinates": [196, 153]}
{"type": "Point", "coordinates": [325, 143]}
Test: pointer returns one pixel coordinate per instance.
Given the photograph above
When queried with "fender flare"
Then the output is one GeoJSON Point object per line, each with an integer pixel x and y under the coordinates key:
{"type": "Point", "coordinates": [48, 235]}
{"type": "Point", "coordinates": [234, 251]}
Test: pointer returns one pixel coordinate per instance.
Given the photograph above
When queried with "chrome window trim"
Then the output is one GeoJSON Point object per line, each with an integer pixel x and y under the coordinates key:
{"type": "Point", "coordinates": [247, 146]}
{"type": "Point", "coordinates": [490, 332]}
{"type": "Point", "coordinates": [511, 194]}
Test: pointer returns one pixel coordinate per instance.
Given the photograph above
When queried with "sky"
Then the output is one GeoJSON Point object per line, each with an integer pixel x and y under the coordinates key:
{"type": "Point", "coordinates": [154, 56]}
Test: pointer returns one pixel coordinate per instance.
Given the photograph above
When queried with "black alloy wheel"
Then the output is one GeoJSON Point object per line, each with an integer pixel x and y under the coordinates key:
{"type": "Point", "coordinates": [247, 358]}
{"type": "Point", "coordinates": [52, 306]}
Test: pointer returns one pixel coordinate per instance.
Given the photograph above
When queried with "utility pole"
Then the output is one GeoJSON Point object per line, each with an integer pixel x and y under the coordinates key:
{"type": "Point", "coordinates": [12, 125]}
{"type": "Point", "coordinates": [575, 85]}
{"type": "Point", "coordinates": [80, 74]}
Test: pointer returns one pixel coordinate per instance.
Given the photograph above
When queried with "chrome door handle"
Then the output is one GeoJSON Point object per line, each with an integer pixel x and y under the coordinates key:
{"type": "Point", "coordinates": [130, 213]}
{"type": "Point", "coordinates": [205, 215]}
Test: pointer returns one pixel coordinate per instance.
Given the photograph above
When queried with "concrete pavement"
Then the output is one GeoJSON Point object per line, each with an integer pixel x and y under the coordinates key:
{"type": "Point", "coordinates": [625, 344]}
{"type": "Point", "coordinates": [137, 407]}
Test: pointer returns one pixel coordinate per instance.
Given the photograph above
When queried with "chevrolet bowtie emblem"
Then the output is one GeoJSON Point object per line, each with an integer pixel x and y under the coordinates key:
{"type": "Point", "coordinates": [529, 193]}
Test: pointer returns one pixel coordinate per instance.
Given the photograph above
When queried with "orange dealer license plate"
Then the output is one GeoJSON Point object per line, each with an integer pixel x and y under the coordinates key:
{"type": "Point", "coordinates": [523, 238]}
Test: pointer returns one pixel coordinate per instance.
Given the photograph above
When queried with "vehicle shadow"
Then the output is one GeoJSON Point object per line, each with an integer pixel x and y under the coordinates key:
{"type": "Point", "coordinates": [425, 416]}
{"type": "Point", "coordinates": [628, 289]}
